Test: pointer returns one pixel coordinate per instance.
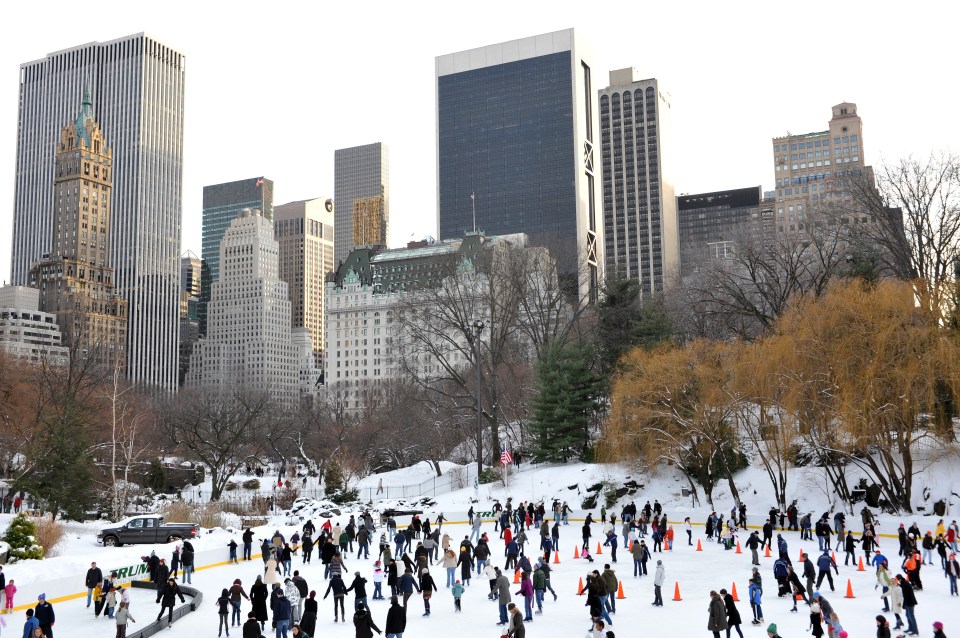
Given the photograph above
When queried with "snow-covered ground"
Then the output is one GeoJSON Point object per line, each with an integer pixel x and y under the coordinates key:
{"type": "Point", "coordinates": [696, 572]}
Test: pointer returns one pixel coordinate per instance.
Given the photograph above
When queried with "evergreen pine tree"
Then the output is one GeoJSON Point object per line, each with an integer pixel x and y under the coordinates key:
{"type": "Point", "coordinates": [332, 477]}
{"type": "Point", "coordinates": [22, 538]}
{"type": "Point", "coordinates": [567, 401]}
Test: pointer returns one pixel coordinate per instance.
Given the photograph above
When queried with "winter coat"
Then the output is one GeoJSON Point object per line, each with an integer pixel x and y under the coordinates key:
{"type": "Point", "coordinates": [733, 614]}
{"type": "Point", "coordinates": [94, 577]}
{"type": "Point", "coordinates": [466, 566]}
{"type": "Point", "coordinates": [169, 593]}
{"type": "Point", "coordinates": [396, 619]}
{"type": "Point", "coordinates": [251, 629]}
{"type": "Point", "coordinates": [364, 624]}
{"type": "Point", "coordinates": [895, 595]}
{"type": "Point", "coordinates": [407, 583]}
{"type": "Point", "coordinates": [516, 628]}
{"type": "Point", "coordinates": [503, 589]}
{"type": "Point", "coordinates": [909, 597]}
{"type": "Point", "coordinates": [526, 588]}
{"type": "Point", "coordinates": [539, 580]}
{"type": "Point", "coordinates": [308, 622]}
{"type": "Point", "coordinates": [358, 587]}
{"type": "Point", "coordinates": [609, 579]}
{"type": "Point", "coordinates": [717, 613]}
{"type": "Point", "coordinates": [659, 575]}
{"type": "Point", "coordinates": [457, 590]}
{"type": "Point", "coordinates": [281, 609]}
{"type": "Point", "coordinates": [123, 615]}
{"type": "Point", "coordinates": [754, 594]}
{"type": "Point", "coordinates": [258, 596]}
{"type": "Point", "coordinates": [272, 575]}
{"type": "Point", "coordinates": [337, 586]}
{"type": "Point", "coordinates": [292, 593]}
{"type": "Point", "coordinates": [825, 562]}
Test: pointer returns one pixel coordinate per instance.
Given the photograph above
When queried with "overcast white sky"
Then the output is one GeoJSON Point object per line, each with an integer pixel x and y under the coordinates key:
{"type": "Point", "coordinates": [274, 87]}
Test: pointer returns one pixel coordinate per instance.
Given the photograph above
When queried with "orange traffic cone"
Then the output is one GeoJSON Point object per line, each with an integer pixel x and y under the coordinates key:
{"type": "Point", "coordinates": [599, 551]}
{"type": "Point", "coordinates": [798, 597]}
{"type": "Point", "coordinates": [733, 592]}
{"type": "Point", "coordinates": [580, 586]}
{"type": "Point", "coordinates": [576, 552]}
{"type": "Point", "coordinates": [860, 565]}
{"type": "Point", "coordinates": [801, 556]}
{"type": "Point", "coordinates": [556, 558]}
{"type": "Point", "coordinates": [699, 547]}
{"type": "Point", "coordinates": [630, 546]}
{"type": "Point", "coordinates": [620, 595]}
{"type": "Point", "coordinates": [676, 591]}
{"type": "Point", "coordinates": [516, 577]}
{"type": "Point", "coordinates": [849, 590]}
{"type": "Point", "coordinates": [738, 548]}
{"type": "Point", "coordinates": [766, 552]}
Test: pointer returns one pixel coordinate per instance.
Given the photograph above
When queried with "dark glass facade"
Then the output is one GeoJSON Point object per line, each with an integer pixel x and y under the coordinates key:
{"type": "Point", "coordinates": [222, 203]}
{"type": "Point", "coordinates": [506, 133]}
{"type": "Point", "coordinates": [714, 218]}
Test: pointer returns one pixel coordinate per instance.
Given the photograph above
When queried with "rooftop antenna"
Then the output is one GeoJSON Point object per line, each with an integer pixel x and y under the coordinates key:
{"type": "Point", "coordinates": [473, 206]}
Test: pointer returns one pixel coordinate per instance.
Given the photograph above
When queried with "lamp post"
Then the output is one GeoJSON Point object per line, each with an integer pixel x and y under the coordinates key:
{"type": "Point", "coordinates": [477, 327]}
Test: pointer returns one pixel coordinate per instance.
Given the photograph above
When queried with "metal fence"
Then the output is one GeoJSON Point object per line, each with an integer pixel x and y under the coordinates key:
{"type": "Point", "coordinates": [454, 479]}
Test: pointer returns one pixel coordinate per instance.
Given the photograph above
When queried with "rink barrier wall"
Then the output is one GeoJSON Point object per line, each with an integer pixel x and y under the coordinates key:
{"type": "Point", "coordinates": [65, 588]}
{"type": "Point", "coordinates": [178, 612]}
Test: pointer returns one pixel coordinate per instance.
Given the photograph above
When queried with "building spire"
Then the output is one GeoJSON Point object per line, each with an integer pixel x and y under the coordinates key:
{"type": "Point", "coordinates": [86, 113]}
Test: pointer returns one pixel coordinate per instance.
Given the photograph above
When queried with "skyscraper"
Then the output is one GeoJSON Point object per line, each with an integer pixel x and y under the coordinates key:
{"type": "Point", "coordinates": [515, 137]}
{"type": "Point", "coordinates": [75, 280]}
{"type": "Point", "coordinates": [641, 239]}
{"type": "Point", "coordinates": [136, 87]}
{"type": "Point", "coordinates": [248, 343]}
{"type": "Point", "coordinates": [191, 274]}
{"type": "Point", "coordinates": [807, 167]}
{"type": "Point", "coordinates": [305, 232]}
{"type": "Point", "coordinates": [222, 203]}
{"type": "Point", "coordinates": [712, 225]}
{"type": "Point", "coordinates": [361, 190]}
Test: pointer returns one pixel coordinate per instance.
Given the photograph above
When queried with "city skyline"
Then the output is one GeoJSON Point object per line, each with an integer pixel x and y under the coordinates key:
{"type": "Point", "coordinates": [735, 75]}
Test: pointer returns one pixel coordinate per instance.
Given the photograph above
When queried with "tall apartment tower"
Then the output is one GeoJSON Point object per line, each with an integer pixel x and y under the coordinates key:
{"type": "Point", "coordinates": [222, 203]}
{"type": "Point", "coordinates": [191, 274]}
{"type": "Point", "coordinates": [305, 232]}
{"type": "Point", "coordinates": [136, 86]}
{"type": "Point", "coordinates": [640, 229]}
{"type": "Point", "coordinates": [515, 145]}
{"type": "Point", "coordinates": [361, 190]}
{"type": "Point", "coordinates": [810, 168]}
{"type": "Point", "coordinates": [248, 344]}
{"type": "Point", "coordinates": [75, 280]}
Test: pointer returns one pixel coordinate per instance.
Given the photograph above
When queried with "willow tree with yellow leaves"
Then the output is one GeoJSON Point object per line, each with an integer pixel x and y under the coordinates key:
{"type": "Point", "coordinates": [670, 405]}
{"type": "Point", "coordinates": [879, 372]}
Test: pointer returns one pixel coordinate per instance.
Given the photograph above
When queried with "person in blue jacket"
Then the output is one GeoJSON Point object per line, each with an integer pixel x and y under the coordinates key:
{"type": "Point", "coordinates": [755, 593]}
{"type": "Point", "coordinates": [30, 625]}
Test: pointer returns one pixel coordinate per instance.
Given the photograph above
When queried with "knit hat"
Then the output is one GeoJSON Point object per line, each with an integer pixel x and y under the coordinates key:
{"type": "Point", "coordinates": [772, 629]}
{"type": "Point", "coordinates": [938, 626]}
{"type": "Point", "coordinates": [42, 597]}
{"type": "Point", "coordinates": [816, 595]}
{"type": "Point", "coordinates": [843, 634]}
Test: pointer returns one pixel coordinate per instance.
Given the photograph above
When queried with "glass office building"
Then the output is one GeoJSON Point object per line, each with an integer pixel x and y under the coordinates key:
{"type": "Point", "coordinates": [361, 191]}
{"type": "Point", "coordinates": [222, 203]}
{"type": "Point", "coordinates": [137, 88]}
{"type": "Point", "coordinates": [515, 127]}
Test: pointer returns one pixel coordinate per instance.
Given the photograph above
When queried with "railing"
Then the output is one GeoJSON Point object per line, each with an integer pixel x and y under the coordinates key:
{"type": "Point", "coordinates": [453, 479]}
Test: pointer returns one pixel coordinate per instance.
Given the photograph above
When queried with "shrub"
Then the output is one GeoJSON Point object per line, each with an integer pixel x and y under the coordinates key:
{"type": "Point", "coordinates": [332, 477]}
{"type": "Point", "coordinates": [284, 497]}
{"type": "Point", "coordinates": [251, 484]}
{"type": "Point", "coordinates": [230, 486]}
{"type": "Point", "coordinates": [206, 515]}
{"type": "Point", "coordinates": [345, 496]}
{"type": "Point", "coordinates": [489, 475]}
{"type": "Point", "coordinates": [49, 535]}
{"type": "Point", "coordinates": [590, 501]}
{"type": "Point", "coordinates": [22, 538]}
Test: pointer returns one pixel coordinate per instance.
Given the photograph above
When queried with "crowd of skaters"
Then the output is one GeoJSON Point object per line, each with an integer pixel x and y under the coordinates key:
{"type": "Point", "coordinates": [403, 558]}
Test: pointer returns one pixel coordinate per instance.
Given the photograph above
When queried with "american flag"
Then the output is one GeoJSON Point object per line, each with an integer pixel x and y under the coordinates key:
{"type": "Point", "coordinates": [505, 456]}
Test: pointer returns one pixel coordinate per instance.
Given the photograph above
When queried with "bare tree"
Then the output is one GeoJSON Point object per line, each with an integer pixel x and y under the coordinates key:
{"type": "Point", "coordinates": [743, 294]}
{"type": "Point", "coordinates": [914, 214]}
{"type": "Point", "coordinates": [222, 431]}
{"type": "Point", "coordinates": [128, 445]}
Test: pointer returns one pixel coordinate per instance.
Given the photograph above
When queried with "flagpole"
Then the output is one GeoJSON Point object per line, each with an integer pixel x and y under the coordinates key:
{"type": "Point", "coordinates": [473, 205]}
